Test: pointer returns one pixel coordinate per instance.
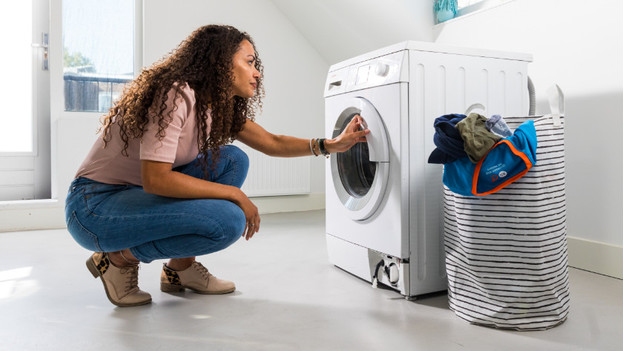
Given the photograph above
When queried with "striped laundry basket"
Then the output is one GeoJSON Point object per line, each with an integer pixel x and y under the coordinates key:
{"type": "Point", "coordinates": [506, 253]}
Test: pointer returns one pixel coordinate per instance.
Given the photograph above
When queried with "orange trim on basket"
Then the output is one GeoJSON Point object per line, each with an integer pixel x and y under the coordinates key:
{"type": "Point", "coordinates": [522, 155]}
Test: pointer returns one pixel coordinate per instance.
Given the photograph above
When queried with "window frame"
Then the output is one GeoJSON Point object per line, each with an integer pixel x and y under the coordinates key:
{"type": "Point", "coordinates": [58, 116]}
{"type": "Point", "coordinates": [479, 6]}
{"type": "Point", "coordinates": [34, 92]}
{"type": "Point", "coordinates": [57, 94]}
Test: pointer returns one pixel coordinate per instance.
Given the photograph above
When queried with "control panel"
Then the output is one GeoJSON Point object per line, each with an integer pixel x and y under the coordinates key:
{"type": "Point", "coordinates": [387, 69]}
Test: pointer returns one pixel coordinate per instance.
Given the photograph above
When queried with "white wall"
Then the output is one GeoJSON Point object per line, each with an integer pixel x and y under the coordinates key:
{"type": "Point", "coordinates": [294, 71]}
{"type": "Point", "coordinates": [574, 43]}
{"type": "Point", "coordinates": [578, 45]}
{"type": "Point", "coordinates": [341, 29]}
{"type": "Point", "coordinates": [294, 78]}
{"type": "Point", "coordinates": [297, 40]}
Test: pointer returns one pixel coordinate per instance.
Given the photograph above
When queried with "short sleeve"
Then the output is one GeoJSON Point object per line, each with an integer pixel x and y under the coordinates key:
{"type": "Point", "coordinates": [165, 150]}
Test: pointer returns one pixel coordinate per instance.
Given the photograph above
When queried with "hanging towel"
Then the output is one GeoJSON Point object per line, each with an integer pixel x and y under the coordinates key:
{"type": "Point", "coordinates": [477, 138]}
{"type": "Point", "coordinates": [506, 162]}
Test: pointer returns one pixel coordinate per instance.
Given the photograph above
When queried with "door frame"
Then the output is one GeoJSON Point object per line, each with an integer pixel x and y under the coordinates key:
{"type": "Point", "coordinates": [37, 161]}
{"type": "Point", "coordinates": [49, 213]}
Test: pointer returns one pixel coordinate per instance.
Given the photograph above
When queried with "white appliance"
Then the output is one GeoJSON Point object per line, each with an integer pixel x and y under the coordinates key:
{"type": "Point", "coordinates": [383, 200]}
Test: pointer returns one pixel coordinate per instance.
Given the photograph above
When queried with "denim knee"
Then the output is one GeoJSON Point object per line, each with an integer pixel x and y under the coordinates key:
{"type": "Point", "coordinates": [231, 167]}
{"type": "Point", "coordinates": [234, 222]}
{"type": "Point", "coordinates": [237, 155]}
{"type": "Point", "coordinates": [212, 235]}
{"type": "Point", "coordinates": [238, 164]}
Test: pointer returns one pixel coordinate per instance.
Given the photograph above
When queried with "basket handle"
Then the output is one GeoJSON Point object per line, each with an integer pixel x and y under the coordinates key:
{"type": "Point", "coordinates": [475, 106]}
{"type": "Point", "coordinates": [557, 106]}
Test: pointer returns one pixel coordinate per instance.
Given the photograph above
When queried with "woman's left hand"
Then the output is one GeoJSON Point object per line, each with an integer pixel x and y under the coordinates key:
{"type": "Point", "coordinates": [353, 133]}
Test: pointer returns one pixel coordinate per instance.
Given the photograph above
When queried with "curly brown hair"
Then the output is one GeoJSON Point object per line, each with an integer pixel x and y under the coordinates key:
{"type": "Point", "coordinates": [204, 61]}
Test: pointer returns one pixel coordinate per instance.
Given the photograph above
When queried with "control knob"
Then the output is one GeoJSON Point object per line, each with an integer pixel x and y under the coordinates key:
{"type": "Point", "coordinates": [381, 69]}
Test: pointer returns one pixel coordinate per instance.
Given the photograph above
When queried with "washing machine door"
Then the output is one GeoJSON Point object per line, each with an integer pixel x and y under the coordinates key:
{"type": "Point", "coordinates": [360, 174]}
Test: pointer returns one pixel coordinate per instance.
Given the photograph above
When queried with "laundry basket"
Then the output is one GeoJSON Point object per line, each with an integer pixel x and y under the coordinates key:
{"type": "Point", "coordinates": [506, 253]}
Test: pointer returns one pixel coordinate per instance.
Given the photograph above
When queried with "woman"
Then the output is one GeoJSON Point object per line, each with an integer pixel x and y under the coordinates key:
{"type": "Point", "coordinates": [162, 181]}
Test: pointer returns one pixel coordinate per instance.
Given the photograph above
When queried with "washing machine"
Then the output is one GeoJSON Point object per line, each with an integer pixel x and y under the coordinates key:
{"type": "Point", "coordinates": [383, 200]}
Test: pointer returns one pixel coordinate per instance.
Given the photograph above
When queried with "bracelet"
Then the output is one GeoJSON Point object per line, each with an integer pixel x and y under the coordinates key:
{"type": "Point", "coordinates": [312, 147]}
{"type": "Point", "coordinates": [322, 147]}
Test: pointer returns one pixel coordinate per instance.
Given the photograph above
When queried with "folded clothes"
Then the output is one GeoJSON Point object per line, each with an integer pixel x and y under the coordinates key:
{"type": "Point", "coordinates": [448, 141]}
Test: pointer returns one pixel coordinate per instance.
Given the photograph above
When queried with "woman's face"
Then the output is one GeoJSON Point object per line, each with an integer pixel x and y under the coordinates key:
{"type": "Point", "coordinates": [244, 71]}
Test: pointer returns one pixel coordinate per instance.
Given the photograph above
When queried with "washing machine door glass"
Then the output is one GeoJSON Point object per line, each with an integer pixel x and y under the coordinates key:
{"type": "Point", "coordinates": [356, 171]}
{"type": "Point", "coordinates": [360, 174]}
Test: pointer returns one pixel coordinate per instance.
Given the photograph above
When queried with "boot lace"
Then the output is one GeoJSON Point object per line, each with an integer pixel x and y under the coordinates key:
{"type": "Point", "coordinates": [132, 278]}
{"type": "Point", "coordinates": [202, 270]}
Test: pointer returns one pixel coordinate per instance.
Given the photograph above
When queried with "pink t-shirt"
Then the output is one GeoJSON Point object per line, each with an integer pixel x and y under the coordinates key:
{"type": "Point", "coordinates": [178, 146]}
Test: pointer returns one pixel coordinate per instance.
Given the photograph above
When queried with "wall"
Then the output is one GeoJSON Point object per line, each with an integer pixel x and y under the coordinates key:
{"type": "Point", "coordinates": [574, 43]}
{"type": "Point", "coordinates": [577, 45]}
{"type": "Point", "coordinates": [294, 71]}
{"type": "Point", "coordinates": [297, 39]}
{"type": "Point", "coordinates": [343, 29]}
{"type": "Point", "coordinates": [294, 78]}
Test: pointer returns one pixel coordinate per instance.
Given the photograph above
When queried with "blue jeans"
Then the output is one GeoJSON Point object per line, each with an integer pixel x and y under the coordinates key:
{"type": "Point", "coordinates": [107, 217]}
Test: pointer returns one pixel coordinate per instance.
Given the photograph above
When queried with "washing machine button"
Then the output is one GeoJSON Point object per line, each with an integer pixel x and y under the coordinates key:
{"type": "Point", "coordinates": [382, 69]}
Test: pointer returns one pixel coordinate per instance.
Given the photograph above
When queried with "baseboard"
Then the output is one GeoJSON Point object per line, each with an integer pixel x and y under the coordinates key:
{"type": "Point", "coordinates": [31, 215]}
{"type": "Point", "coordinates": [595, 256]}
{"type": "Point", "coordinates": [584, 254]}
{"type": "Point", "coordinates": [289, 203]}
{"type": "Point", "coordinates": [49, 214]}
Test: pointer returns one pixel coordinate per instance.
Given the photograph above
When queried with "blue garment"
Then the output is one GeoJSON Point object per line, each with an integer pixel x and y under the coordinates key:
{"type": "Point", "coordinates": [509, 160]}
{"type": "Point", "coordinates": [448, 140]}
{"type": "Point", "coordinates": [107, 217]}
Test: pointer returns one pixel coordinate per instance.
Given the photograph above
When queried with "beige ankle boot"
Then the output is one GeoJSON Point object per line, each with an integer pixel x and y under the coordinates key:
{"type": "Point", "coordinates": [120, 284]}
{"type": "Point", "coordinates": [196, 278]}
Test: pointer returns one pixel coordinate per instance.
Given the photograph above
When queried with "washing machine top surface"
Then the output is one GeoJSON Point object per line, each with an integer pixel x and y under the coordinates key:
{"type": "Point", "coordinates": [391, 65]}
{"type": "Point", "coordinates": [430, 47]}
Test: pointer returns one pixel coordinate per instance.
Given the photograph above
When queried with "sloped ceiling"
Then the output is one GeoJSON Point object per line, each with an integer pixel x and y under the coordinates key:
{"type": "Point", "coordinates": [341, 29]}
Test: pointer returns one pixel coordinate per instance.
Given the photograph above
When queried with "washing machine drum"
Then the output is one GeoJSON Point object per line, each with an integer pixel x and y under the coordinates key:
{"type": "Point", "coordinates": [360, 174]}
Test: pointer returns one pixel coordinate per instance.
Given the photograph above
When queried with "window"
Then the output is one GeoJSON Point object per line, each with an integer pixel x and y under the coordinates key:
{"type": "Point", "coordinates": [465, 7]}
{"type": "Point", "coordinates": [465, 3]}
{"type": "Point", "coordinates": [98, 51]}
{"type": "Point", "coordinates": [16, 70]}
{"type": "Point", "coordinates": [449, 9]}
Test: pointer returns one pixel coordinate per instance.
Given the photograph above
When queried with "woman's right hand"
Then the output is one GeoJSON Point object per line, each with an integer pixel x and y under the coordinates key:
{"type": "Point", "coordinates": [352, 134]}
{"type": "Point", "coordinates": [252, 217]}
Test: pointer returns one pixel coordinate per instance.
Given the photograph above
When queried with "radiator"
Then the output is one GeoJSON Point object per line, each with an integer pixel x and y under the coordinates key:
{"type": "Point", "coordinates": [275, 176]}
{"type": "Point", "coordinates": [17, 178]}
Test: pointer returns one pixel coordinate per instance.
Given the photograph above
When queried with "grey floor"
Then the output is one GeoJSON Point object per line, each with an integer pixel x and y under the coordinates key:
{"type": "Point", "coordinates": [288, 298]}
